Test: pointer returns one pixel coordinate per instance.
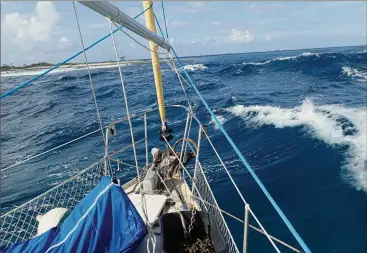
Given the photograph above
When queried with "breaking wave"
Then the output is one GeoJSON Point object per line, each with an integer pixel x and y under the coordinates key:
{"type": "Point", "coordinates": [285, 58]}
{"type": "Point", "coordinates": [333, 124]}
{"type": "Point", "coordinates": [355, 73]}
{"type": "Point", "coordinates": [221, 119]}
{"type": "Point", "coordinates": [195, 67]}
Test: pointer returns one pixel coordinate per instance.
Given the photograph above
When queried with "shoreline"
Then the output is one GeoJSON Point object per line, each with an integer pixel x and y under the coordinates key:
{"type": "Point", "coordinates": [69, 67]}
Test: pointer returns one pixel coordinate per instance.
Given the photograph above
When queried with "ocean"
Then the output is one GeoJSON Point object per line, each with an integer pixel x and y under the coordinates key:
{"type": "Point", "coordinates": [299, 117]}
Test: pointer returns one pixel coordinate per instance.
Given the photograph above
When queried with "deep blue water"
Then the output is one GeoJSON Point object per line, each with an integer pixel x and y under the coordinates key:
{"type": "Point", "coordinates": [299, 117]}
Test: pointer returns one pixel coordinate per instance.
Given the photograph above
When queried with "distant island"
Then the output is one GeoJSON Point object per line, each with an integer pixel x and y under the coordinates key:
{"type": "Point", "coordinates": [45, 65]}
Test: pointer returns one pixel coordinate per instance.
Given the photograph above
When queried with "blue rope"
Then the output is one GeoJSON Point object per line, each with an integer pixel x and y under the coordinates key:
{"type": "Point", "coordinates": [9, 92]}
{"type": "Point", "coordinates": [159, 26]}
{"type": "Point", "coordinates": [165, 22]}
{"type": "Point", "coordinates": [248, 166]}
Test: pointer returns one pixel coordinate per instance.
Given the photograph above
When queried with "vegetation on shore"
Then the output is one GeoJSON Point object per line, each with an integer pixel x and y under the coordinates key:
{"type": "Point", "coordinates": [6, 67]}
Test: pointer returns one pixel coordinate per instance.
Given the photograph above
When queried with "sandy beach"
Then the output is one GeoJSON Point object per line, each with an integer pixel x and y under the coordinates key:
{"type": "Point", "coordinates": [66, 67]}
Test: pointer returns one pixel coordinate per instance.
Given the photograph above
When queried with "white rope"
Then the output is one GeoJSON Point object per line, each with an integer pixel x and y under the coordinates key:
{"type": "Point", "coordinates": [124, 148]}
{"type": "Point", "coordinates": [90, 77]}
{"type": "Point", "coordinates": [144, 208]}
{"type": "Point", "coordinates": [263, 229]}
{"type": "Point", "coordinates": [164, 183]}
{"type": "Point", "coordinates": [225, 168]}
{"type": "Point", "coordinates": [125, 99]}
{"type": "Point", "coordinates": [197, 156]}
{"type": "Point", "coordinates": [179, 76]}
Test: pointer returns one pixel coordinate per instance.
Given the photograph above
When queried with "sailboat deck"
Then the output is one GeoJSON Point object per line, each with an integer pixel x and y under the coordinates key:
{"type": "Point", "coordinates": [175, 200]}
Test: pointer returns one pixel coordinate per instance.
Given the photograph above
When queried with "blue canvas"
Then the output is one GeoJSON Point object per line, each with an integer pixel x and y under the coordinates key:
{"type": "Point", "coordinates": [104, 221]}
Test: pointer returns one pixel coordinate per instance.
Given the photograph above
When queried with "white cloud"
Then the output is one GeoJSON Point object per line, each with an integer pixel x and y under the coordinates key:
{"type": "Point", "coordinates": [178, 23]}
{"type": "Point", "coordinates": [269, 36]}
{"type": "Point", "coordinates": [262, 8]}
{"type": "Point", "coordinates": [236, 36]}
{"type": "Point", "coordinates": [239, 36]}
{"type": "Point", "coordinates": [171, 41]}
{"type": "Point", "coordinates": [38, 27]}
{"type": "Point", "coordinates": [64, 39]}
{"type": "Point", "coordinates": [100, 25]}
{"type": "Point", "coordinates": [197, 7]}
{"type": "Point", "coordinates": [133, 11]}
{"type": "Point", "coordinates": [215, 23]}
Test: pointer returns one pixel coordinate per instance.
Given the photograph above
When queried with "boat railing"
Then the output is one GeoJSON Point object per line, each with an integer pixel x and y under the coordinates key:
{"type": "Point", "coordinates": [204, 195]}
{"type": "Point", "coordinates": [21, 223]}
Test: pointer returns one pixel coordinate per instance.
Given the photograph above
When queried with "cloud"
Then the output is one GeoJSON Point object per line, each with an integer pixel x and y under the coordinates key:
{"type": "Point", "coordinates": [178, 23]}
{"type": "Point", "coordinates": [133, 46]}
{"type": "Point", "coordinates": [235, 36]}
{"type": "Point", "coordinates": [133, 11]}
{"type": "Point", "coordinates": [238, 36]}
{"type": "Point", "coordinates": [197, 7]}
{"type": "Point", "coordinates": [99, 25]}
{"type": "Point", "coordinates": [269, 36]}
{"type": "Point", "coordinates": [262, 8]}
{"type": "Point", "coordinates": [215, 23]}
{"type": "Point", "coordinates": [64, 39]}
{"type": "Point", "coordinates": [38, 27]}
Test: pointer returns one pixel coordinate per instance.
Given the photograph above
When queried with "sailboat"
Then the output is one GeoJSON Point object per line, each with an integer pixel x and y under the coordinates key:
{"type": "Point", "coordinates": [167, 207]}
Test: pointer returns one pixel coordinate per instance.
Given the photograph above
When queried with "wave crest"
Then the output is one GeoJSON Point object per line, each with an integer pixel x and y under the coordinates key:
{"type": "Point", "coordinates": [333, 124]}
{"type": "Point", "coordinates": [285, 58]}
{"type": "Point", "coordinates": [355, 73]}
{"type": "Point", "coordinates": [194, 67]}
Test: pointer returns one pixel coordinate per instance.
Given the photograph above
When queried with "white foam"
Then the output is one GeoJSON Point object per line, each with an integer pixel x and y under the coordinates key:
{"type": "Point", "coordinates": [34, 72]}
{"type": "Point", "coordinates": [55, 71]}
{"type": "Point", "coordinates": [284, 58]}
{"type": "Point", "coordinates": [195, 67]}
{"type": "Point", "coordinates": [324, 122]}
{"type": "Point", "coordinates": [221, 120]}
{"type": "Point", "coordinates": [355, 73]}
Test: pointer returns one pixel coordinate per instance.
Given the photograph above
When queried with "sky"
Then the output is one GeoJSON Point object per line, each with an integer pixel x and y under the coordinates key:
{"type": "Point", "coordinates": [34, 32]}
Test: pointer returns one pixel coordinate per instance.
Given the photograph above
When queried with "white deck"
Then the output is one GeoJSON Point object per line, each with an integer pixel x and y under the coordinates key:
{"type": "Point", "coordinates": [159, 204]}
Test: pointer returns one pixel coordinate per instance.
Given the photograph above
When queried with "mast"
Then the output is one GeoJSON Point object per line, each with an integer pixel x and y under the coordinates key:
{"type": "Point", "coordinates": [150, 23]}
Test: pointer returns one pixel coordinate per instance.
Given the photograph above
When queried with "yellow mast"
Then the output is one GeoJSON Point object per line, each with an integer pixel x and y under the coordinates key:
{"type": "Point", "coordinates": [150, 23]}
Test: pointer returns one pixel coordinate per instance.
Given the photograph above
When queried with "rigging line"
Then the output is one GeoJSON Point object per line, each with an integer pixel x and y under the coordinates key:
{"type": "Point", "coordinates": [152, 238]}
{"type": "Point", "coordinates": [16, 88]}
{"type": "Point", "coordinates": [159, 26]}
{"type": "Point", "coordinates": [225, 168]}
{"type": "Point", "coordinates": [244, 161]}
{"type": "Point", "coordinates": [76, 139]}
{"type": "Point", "coordinates": [47, 151]}
{"type": "Point", "coordinates": [164, 16]}
{"type": "Point", "coordinates": [131, 37]}
{"type": "Point", "coordinates": [183, 88]}
{"type": "Point", "coordinates": [207, 183]}
{"type": "Point", "coordinates": [183, 166]}
{"type": "Point", "coordinates": [251, 226]}
{"type": "Point", "coordinates": [90, 77]}
{"type": "Point", "coordinates": [173, 68]}
{"type": "Point", "coordinates": [125, 99]}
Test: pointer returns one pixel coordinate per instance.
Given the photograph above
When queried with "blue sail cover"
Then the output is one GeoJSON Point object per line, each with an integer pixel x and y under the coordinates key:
{"type": "Point", "coordinates": [104, 221]}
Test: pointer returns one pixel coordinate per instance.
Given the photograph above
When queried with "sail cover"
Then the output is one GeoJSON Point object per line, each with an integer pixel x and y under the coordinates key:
{"type": "Point", "coordinates": [104, 221]}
